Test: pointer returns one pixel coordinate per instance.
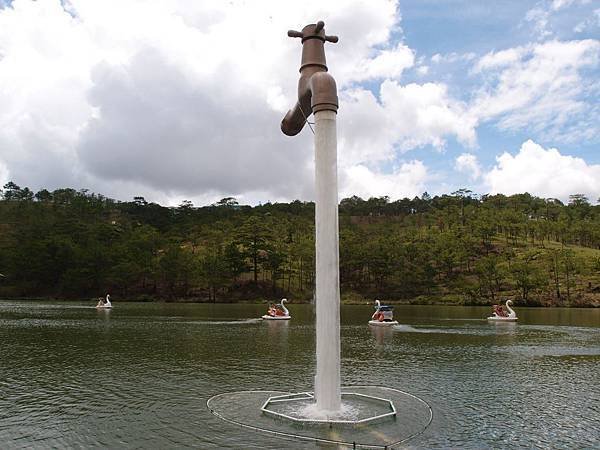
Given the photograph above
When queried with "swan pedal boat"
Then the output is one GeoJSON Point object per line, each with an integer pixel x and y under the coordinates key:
{"type": "Point", "coordinates": [106, 305]}
{"type": "Point", "coordinates": [383, 316]}
{"type": "Point", "coordinates": [279, 308]}
{"type": "Point", "coordinates": [512, 315]}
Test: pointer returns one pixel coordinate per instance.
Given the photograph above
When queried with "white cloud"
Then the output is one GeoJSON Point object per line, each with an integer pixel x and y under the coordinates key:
{"type": "Point", "coordinates": [580, 26]}
{"type": "Point", "coordinates": [502, 58]}
{"type": "Point", "coordinates": [468, 163]}
{"type": "Point", "coordinates": [589, 22]}
{"type": "Point", "coordinates": [407, 180]}
{"type": "Point", "coordinates": [539, 17]}
{"type": "Point", "coordinates": [543, 172]}
{"type": "Point", "coordinates": [452, 57]}
{"type": "Point", "coordinates": [175, 114]}
{"type": "Point", "coordinates": [544, 15]}
{"type": "Point", "coordinates": [425, 114]}
{"type": "Point", "coordinates": [560, 4]}
{"type": "Point", "coordinates": [406, 117]}
{"type": "Point", "coordinates": [541, 88]}
{"type": "Point", "coordinates": [173, 99]}
{"type": "Point", "coordinates": [387, 64]}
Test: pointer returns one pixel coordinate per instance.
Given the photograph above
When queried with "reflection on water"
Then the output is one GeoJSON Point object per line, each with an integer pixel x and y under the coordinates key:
{"type": "Point", "coordinates": [382, 334]}
{"type": "Point", "coordinates": [139, 375]}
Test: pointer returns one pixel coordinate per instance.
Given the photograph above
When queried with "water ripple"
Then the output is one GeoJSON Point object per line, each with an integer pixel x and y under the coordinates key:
{"type": "Point", "coordinates": [139, 376]}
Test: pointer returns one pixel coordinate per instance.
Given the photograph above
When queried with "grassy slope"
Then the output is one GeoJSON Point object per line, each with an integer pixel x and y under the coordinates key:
{"type": "Point", "coordinates": [585, 291]}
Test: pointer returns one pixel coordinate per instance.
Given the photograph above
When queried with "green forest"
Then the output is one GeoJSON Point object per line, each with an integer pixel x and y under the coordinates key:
{"type": "Point", "coordinates": [459, 248]}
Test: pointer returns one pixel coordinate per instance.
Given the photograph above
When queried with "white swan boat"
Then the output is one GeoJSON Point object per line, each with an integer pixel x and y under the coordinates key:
{"type": "Point", "coordinates": [510, 317]}
{"type": "Point", "coordinates": [104, 304]}
{"type": "Point", "coordinates": [278, 312]}
{"type": "Point", "coordinates": [383, 316]}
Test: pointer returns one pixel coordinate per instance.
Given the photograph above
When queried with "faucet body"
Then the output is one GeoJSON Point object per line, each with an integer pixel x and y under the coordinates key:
{"type": "Point", "coordinates": [316, 88]}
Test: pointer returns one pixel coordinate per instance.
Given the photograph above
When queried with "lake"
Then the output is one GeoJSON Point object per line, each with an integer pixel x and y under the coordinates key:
{"type": "Point", "coordinates": [139, 376]}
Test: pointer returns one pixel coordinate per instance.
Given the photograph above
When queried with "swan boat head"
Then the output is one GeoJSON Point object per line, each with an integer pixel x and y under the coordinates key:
{"type": "Point", "coordinates": [285, 310]}
{"type": "Point", "coordinates": [511, 312]}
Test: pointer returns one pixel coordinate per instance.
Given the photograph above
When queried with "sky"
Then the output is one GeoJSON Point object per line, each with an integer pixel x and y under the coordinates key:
{"type": "Point", "coordinates": [174, 100]}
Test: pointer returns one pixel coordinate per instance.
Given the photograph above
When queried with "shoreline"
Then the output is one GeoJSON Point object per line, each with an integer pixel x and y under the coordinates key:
{"type": "Point", "coordinates": [345, 301]}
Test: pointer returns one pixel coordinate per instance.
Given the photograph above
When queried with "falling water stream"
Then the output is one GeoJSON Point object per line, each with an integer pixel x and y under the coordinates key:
{"type": "Point", "coordinates": [327, 379]}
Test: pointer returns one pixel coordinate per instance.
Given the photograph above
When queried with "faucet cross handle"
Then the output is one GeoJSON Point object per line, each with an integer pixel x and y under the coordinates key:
{"type": "Point", "coordinates": [313, 31]}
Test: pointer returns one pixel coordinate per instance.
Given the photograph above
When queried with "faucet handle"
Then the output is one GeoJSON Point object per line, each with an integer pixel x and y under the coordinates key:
{"type": "Point", "coordinates": [320, 25]}
{"type": "Point", "coordinates": [307, 33]}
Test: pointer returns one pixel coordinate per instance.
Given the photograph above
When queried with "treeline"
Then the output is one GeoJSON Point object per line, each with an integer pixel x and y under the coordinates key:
{"type": "Point", "coordinates": [458, 248]}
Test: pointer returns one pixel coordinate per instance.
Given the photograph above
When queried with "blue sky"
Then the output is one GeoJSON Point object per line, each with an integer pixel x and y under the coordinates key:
{"type": "Point", "coordinates": [462, 27]}
{"type": "Point", "coordinates": [167, 99]}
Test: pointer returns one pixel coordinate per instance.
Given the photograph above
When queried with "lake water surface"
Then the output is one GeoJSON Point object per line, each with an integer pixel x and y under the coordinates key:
{"type": "Point", "coordinates": [139, 376]}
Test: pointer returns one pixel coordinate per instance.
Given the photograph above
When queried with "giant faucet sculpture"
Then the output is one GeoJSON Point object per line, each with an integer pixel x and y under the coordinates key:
{"type": "Point", "coordinates": [317, 94]}
{"type": "Point", "coordinates": [316, 88]}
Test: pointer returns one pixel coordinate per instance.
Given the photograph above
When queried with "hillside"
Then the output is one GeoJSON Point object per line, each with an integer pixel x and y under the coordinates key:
{"type": "Point", "coordinates": [456, 249]}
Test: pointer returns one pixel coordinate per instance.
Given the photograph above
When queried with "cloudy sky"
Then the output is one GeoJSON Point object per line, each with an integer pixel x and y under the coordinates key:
{"type": "Point", "coordinates": [178, 99]}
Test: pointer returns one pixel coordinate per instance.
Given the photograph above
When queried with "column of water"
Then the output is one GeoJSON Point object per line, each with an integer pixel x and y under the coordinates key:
{"type": "Point", "coordinates": [327, 380]}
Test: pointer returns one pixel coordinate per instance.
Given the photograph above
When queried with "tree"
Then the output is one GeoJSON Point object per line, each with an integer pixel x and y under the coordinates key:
{"type": "Point", "coordinates": [178, 267]}
{"type": "Point", "coordinates": [484, 227]}
{"type": "Point", "coordinates": [13, 192]}
{"type": "Point", "coordinates": [253, 236]}
{"type": "Point", "coordinates": [527, 276]}
{"type": "Point", "coordinates": [227, 201]}
{"type": "Point", "coordinates": [578, 200]}
{"type": "Point", "coordinates": [235, 260]}
{"type": "Point", "coordinates": [570, 268]}
{"type": "Point", "coordinates": [43, 196]}
{"type": "Point", "coordinates": [462, 194]}
{"type": "Point", "coordinates": [490, 275]}
{"type": "Point", "coordinates": [554, 256]}
{"type": "Point", "coordinates": [214, 270]}
{"type": "Point", "coordinates": [274, 261]}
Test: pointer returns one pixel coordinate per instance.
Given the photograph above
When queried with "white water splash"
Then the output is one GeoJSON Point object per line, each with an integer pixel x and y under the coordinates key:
{"type": "Point", "coordinates": [345, 412]}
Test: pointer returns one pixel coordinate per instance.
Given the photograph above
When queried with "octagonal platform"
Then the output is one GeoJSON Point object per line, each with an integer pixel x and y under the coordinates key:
{"type": "Point", "coordinates": [372, 416]}
{"type": "Point", "coordinates": [357, 409]}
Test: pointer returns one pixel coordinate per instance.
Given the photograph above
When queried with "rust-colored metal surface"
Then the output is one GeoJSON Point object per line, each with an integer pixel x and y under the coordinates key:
{"type": "Point", "coordinates": [316, 88]}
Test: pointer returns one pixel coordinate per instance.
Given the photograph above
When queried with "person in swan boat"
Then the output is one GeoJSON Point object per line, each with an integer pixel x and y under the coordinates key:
{"type": "Point", "coordinates": [383, 314]}
{"type": "Point", "coordinates": [277, 311]}
{"type": "Point", "coordinates": [498, 310]}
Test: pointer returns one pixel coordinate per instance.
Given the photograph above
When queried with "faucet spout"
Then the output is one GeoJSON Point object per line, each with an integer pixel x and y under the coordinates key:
{"type": "Point", "coordinates": [316, 93]}
{"type": "Point", "coordinates": [317, 90]}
